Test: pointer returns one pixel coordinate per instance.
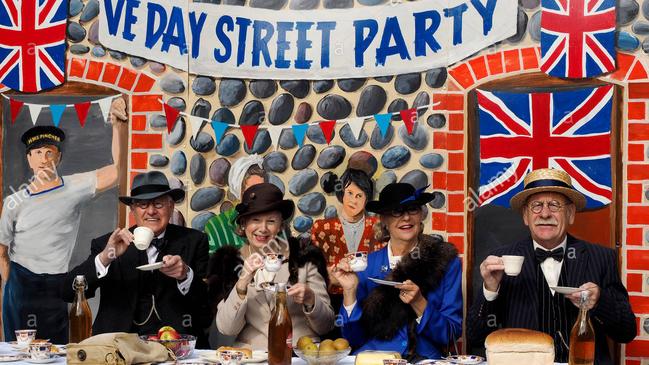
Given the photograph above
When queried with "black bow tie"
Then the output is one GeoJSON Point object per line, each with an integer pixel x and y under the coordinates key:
{"type": "Point", "coordinates": [158, 243]}
{"type": "Point", "coordinates": [542, 255]}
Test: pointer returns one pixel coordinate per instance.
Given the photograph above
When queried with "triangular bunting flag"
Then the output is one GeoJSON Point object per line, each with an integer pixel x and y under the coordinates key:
{"type": "Point", "coordinates": [15, 107]}
{"type": "Point", "coordinates": [219, 130]}
{"type": "Point", "coordinates": [383, 120]}
{"type": "Point", "coordinates": [327, 127]}
{"type": "Point", "coordinates": [356, 124]}
{"type": "Point", "coordinates": [409, 117]}
{"type": "Point", "coordinates": [249, 132]}
{"type": "Point", "coordinates": [57, 111]}
{"type": "Point", "coordinates": [197, 124]}
{"type": "Point", "coordinates": [172, 115]}
{"type": "Point", "coordinates": [82, 112]}
{"type": "Point", "coordinates": [299, 132]}
{"type": "Point", "coordinates": [35, 111]}
{"type": "Point", "coordinates": [275, 131]}
{"type": "Point", "coordinates": [104, 105]}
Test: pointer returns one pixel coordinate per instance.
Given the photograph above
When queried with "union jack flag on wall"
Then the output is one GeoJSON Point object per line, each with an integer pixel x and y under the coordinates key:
{"type": "Point", "coordinates": [567, 130]}
{"type": "Point", "coordinates": [32, 43]}
{"type": "Point", "coordinates": [577, 37]}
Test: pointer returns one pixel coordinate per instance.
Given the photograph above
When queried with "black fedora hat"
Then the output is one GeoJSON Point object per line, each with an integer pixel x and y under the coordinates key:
{"type": "Point", "coordinates": [263, 198]}
{"type": "Point", "coordinates": [43, 135]}
{"type": "Point", "coordinates": [398, 195]}
{"type": "Point", "coordinates": [150, 185]}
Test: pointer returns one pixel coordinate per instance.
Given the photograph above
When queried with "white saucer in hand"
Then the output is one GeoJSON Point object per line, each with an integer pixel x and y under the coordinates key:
{"type": "Point", "coordinates": [150, 267]}
{"type": "Point", "coordinates": [566, 289]}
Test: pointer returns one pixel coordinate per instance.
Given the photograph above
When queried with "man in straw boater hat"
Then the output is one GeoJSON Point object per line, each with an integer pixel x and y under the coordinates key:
{"type": "Point", "coordinates": [552, 258]}
{"type": "Point", "coordinates": [39, 226]}
{"type": "Point", "coordinates": [169, 290]}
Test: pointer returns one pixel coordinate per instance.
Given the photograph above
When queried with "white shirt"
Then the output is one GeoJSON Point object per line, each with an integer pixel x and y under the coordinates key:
{"type": "Point", "coordinates": [551, 271]}
{"type": "Point", "coordinates": [152, 255]}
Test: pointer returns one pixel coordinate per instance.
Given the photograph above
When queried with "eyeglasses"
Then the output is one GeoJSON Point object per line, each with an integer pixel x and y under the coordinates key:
{"type": "Point", "coordinates": [537, 206]}
{"type": "Point", "coordinates": [399, 212]}
{"type": "Point", "coordinates": [144, 204]}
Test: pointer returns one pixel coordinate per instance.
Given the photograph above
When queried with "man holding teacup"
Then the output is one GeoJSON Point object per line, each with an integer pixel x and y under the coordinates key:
{"type": "Point", "coordinates": [155, 282]}
{"type": "Point", "coordinates": [520, 280]}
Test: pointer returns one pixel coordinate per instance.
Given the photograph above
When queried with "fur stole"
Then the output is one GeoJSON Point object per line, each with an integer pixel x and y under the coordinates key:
{"type": "Point", "coordinates": [226, 262]}
{"type": "Point", "coordinates": [383, 312]}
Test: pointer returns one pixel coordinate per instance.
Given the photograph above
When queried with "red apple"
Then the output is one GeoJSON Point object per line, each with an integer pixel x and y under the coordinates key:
{"type": "Point", "coordinates": [153, 338]}
{"type": "Point", "coordinates": [165, 329]}
{"type": "Point", "coordinates": [170, 335]}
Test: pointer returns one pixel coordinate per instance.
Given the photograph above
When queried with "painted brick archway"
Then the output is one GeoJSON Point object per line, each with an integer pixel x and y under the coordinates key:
{"type": "Point", "coordinates": [632, 75]}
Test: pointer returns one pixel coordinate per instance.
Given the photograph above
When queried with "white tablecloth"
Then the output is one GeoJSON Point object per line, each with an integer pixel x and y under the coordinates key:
{"type": "Point", "coordinates": [5, 348]}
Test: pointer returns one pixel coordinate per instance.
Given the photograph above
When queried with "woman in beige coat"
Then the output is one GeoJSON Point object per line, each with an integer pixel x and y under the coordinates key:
{"type": "Point", "coordinates": [247, 309]}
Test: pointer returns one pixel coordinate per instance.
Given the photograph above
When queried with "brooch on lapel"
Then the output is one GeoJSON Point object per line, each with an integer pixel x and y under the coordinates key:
{"type": "Point", "coordinates": [384, 268]}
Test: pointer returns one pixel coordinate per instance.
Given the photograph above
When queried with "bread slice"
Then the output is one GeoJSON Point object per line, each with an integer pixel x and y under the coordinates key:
{"type": "Point", "coordinates": [519, 346]}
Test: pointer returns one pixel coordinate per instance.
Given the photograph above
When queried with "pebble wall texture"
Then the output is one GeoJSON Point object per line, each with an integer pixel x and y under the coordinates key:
{"type": "Point", "coordinates": [425, 157]}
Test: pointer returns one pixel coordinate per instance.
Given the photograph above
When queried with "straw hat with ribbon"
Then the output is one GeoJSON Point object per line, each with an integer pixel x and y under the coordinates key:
{"type": "Point", "coordinates": [548, 180]}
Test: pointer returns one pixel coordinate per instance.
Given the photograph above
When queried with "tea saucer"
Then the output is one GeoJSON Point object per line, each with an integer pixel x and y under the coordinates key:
{"type": "Point", "coordinates": [565, 289]}
{"type": "Point", "coordinates": [385, 282]}
{"type": "Point", "coordinates": [150, 267]}
{"type": "Point", "coordinates": [10, 358]}
{"type": "Point", "coordinates": [42, 361]}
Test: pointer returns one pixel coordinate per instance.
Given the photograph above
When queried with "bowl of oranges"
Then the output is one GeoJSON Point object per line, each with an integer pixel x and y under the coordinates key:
{"type": "Point", "coordinates": [327, 352]}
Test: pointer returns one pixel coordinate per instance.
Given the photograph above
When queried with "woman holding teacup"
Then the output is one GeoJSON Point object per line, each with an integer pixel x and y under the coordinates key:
{"type": "Point", "coordinates": [418, 312]}
{"type": "Point", "coordinates": [270, 257]}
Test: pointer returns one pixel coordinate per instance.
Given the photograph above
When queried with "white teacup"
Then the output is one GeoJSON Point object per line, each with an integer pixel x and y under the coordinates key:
{"type": "Point", "coordinates": [273, 262]}
{"type": "Point", "coordinates": [40, 350]}
{"type": "Point", "coordinates": [513, 264]}
{"type": "Point", "coordinates": [25, 337]}
{"type": "Point", "coordinates": [357, 260]}
{"type": "Point", "coordinates": [142, 237]}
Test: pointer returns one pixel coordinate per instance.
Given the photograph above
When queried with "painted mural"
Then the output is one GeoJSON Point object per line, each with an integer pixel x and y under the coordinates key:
{"type": "Point", "coordinates": [460, 99]}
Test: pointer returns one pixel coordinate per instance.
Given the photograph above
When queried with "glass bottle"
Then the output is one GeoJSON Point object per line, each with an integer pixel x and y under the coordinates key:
{"type": "Point", "coordinates": [80, 315]}
{"type": "Point", "coordinates": [280, 330]}
{"type": "Point", "coordinates": [582, 337]}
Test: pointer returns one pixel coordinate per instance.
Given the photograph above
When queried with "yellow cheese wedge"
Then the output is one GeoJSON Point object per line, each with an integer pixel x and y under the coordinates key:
{"type": "Point", "coordinates": [375, 357]}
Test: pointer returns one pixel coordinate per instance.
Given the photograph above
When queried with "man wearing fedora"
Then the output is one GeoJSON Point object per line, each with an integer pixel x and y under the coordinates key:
{"type": "Point", "coordinates": [39, 226]}
{"type": "Point", "coordinates": [139, 301]}
{"type": "Point", "coordinates": [552, 258]}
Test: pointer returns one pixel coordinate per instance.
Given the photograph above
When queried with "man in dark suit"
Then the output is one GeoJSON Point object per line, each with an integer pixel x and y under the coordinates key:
{"type": "Point", "coordinates": [553, 258]}
{"type": "Point", "coordinates": [134, 300]}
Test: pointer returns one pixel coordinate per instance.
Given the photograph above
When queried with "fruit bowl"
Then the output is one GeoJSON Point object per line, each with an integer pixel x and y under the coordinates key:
{"type": "Point", "coordinates": [322, 358]}
{"type": "Point", "coordinates": [181, 347]}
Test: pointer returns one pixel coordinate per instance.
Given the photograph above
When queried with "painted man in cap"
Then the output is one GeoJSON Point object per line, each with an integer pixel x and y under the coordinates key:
{"type": "Point", "coordinates": [552, 258]}
{"type": "Point", "coordinates": [39, 226]}
{"type": "Point", "coordinates": [133, 300]}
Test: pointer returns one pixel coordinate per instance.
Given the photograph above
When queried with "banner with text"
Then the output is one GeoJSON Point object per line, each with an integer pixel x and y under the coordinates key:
{"type": "Point", "coordinates": [240, 42]}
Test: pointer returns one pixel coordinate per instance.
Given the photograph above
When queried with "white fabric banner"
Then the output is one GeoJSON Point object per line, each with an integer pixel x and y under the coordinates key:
{"type": "Point", "coordinates": [369, 41]}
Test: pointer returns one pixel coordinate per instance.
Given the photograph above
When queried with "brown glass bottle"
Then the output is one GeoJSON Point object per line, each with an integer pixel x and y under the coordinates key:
{"type": "Point", "coordinates": [582, 337]}
{"type": "Point", "coordinates": [280, 330]}
{"type": "Point", "coordinates": [80, 315]}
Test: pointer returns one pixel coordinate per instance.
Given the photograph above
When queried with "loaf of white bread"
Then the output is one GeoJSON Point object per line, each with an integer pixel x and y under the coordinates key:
{"type": "Point", "coordinates": [519, 346]}
{"type": "Point", "coordinates": [375, 357]}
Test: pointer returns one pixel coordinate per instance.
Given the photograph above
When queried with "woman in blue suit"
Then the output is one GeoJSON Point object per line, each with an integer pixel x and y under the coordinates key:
{"type": "Point", "coordinates": [422, 314]}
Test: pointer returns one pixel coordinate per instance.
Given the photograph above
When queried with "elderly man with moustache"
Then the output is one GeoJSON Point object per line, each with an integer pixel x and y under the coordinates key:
{"type": "Point", "coordinates": [553, 258]}
{"type": "Point", "coordinates": [140, 301]}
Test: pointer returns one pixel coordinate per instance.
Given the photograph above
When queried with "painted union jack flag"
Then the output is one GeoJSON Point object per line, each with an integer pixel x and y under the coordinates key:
{"type": "Point", "coordinates": [567, 130]}
{"type": "Point", "coordinates": [32, 43]}
{"type": "Point", "coordinates": [577, 37]}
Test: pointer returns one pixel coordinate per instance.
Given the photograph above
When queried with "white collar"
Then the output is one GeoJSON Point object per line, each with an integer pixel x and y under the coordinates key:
{"type": "Point", "coordinates": [563, 245]}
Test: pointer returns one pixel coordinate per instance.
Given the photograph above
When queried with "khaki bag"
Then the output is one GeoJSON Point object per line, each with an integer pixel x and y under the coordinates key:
{"type": "Point", "coordinates": [117, 349]}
